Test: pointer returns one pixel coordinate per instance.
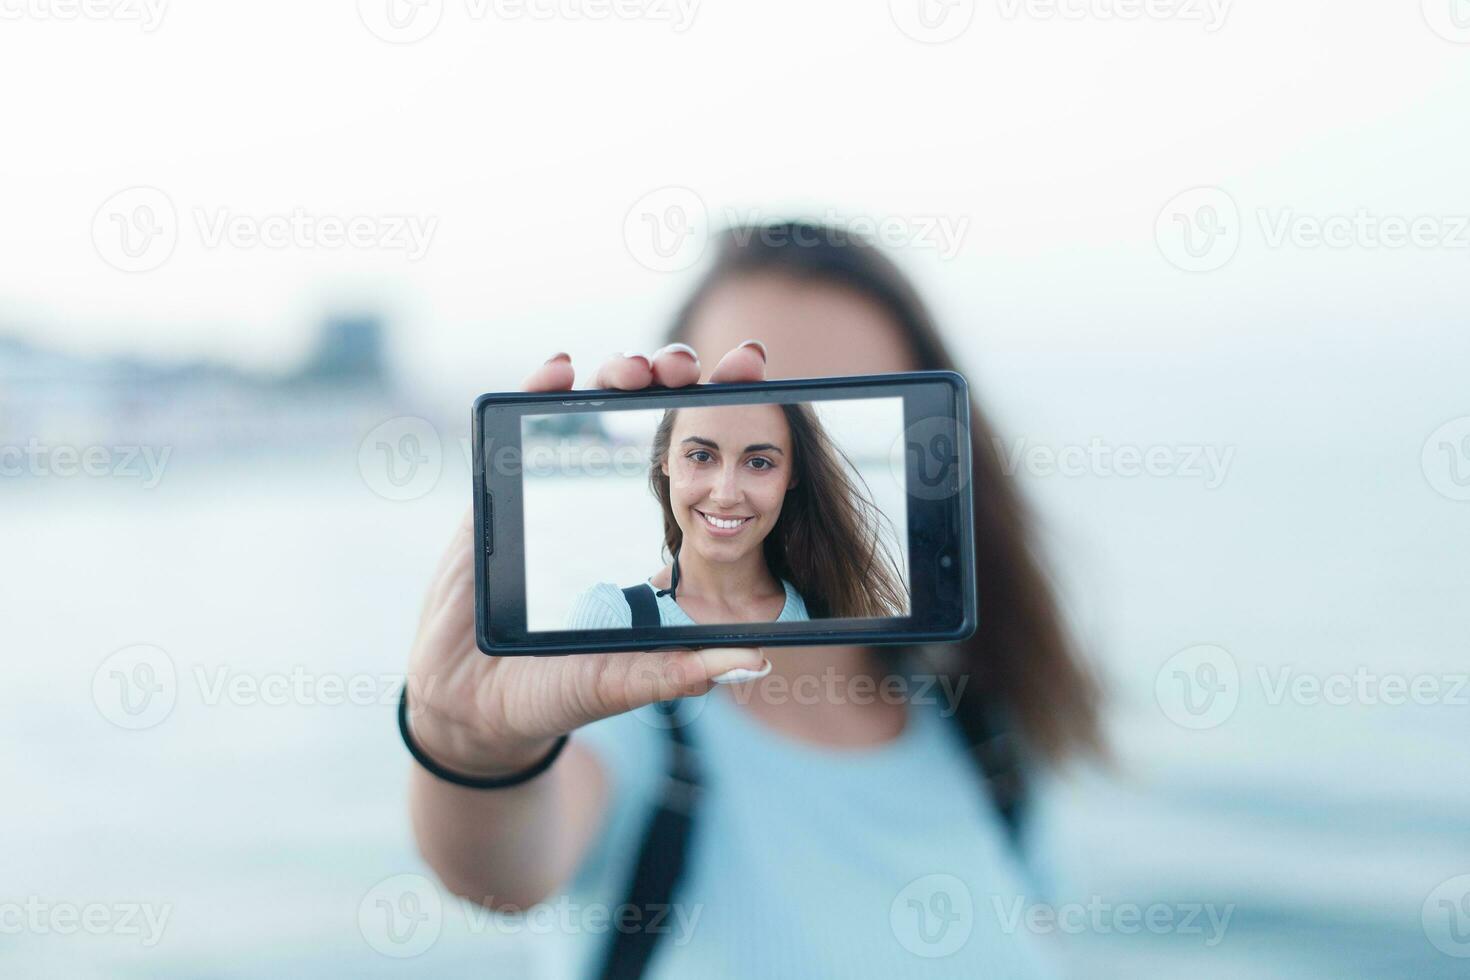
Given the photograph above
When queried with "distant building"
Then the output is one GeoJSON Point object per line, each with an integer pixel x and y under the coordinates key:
{"type": "Point", "coordinates": [349, 350]}
{"type": "Point", "coordinates": [66, 398]}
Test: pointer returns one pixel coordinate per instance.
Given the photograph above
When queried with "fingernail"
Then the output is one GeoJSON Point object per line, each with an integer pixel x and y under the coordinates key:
{"type": "Point", "coordinates": [760, 347]}
{"type": "Point", "coordinates": [559, 356]}
{"type": "Point", "coordinates": [677, 349]}
{"type": "Point", "coordinates": [742, 674]}
{"type": "Point", "coordinates": [641, 357]}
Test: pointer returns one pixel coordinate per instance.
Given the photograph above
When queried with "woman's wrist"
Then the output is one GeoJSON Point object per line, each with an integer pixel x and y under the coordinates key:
{"type": "Point", "coordinates": [460, 748]}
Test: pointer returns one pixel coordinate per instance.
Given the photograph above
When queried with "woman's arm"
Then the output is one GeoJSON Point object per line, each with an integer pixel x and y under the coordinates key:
{"type": "Point", "coordinates": [483, 715]}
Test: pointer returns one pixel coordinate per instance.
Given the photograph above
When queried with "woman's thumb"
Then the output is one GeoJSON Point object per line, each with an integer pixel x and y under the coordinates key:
{"type": "Point", "coordinates": [633, 680]}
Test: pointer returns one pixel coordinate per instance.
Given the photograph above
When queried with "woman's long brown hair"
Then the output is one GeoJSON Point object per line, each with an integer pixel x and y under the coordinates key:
{"type": "Point", "coordinates": [825, 513]}
{"type": "Point", "coordinates": [1020, 665]}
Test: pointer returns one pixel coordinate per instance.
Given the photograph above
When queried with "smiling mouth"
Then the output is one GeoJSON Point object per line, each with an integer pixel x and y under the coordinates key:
{"type": "Point", "coordinates": [723, 523]}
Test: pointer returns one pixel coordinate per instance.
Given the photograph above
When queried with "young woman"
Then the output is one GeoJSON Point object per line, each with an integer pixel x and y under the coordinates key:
{"type": "Point", "coordinates": [832, 834]}
{"type": "Point", "coordinates": [756, 501]}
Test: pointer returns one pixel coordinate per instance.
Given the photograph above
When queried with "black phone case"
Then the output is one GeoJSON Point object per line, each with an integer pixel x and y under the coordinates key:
{"type": "Point", "coordinates": [739, 634]}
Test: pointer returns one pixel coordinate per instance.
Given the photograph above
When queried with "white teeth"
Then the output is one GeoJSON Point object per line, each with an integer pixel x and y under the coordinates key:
{"type": "Point", "coordinates": [717, 522]}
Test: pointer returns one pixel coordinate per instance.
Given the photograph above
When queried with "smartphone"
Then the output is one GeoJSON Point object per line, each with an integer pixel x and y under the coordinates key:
{"type": "Point", "coordinates": [831, 510]}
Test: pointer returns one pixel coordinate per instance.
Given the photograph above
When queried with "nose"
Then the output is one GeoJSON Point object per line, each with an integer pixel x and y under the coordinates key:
{"type": "Point", "coordinates": [726, 489]}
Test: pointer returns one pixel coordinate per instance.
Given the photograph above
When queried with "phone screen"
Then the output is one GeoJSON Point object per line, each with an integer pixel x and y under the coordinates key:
{"type": "Point", "coordinates": [785, 512]}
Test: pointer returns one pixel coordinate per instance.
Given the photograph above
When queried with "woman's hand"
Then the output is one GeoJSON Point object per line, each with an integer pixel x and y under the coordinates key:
{"type": "Point", "coordinates": [484, 715]}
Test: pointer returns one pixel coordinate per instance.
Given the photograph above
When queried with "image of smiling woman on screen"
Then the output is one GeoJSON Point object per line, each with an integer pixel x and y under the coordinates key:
{"type": "Point", "coordinates": [762, 523]}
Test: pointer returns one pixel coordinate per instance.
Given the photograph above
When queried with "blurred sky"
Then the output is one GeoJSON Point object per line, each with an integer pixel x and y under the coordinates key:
{"type": "Point", "coordinates": [1055, 143]}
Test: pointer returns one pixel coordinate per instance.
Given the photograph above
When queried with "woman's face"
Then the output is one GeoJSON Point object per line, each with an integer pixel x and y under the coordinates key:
{"type": "Point", "coordinates": [729, 469]}
{"type": "Point", "coordinates": [811, 330]}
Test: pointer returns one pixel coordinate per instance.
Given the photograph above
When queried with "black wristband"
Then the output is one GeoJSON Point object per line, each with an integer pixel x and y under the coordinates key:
{"type": "Point", "coordinates": [459, 779]}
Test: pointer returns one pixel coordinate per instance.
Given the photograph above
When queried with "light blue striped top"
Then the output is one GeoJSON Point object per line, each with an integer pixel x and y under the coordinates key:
{"type": "Point", "coordinates": [605, 607]}
{"type": "Point", "coordinates": [866, 864]}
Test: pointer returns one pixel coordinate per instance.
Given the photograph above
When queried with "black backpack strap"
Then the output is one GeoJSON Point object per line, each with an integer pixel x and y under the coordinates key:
{"type": "Point", "coordinates": [661, 857]}
{"type": "Point", "coordinates": [644, 603]}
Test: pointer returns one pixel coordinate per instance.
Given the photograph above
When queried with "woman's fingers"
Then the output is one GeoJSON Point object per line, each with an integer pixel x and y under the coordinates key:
{"type": "Point", "coordinates": [745, 363]}
{"type": "Point", "coordinates": [675, 366]}
{"type": "Point", "coordinates": [625, 372]}
{"type": "Point", "coordinates": [626, 681]}
{"type": "Point", "coordinates": [555, 375]}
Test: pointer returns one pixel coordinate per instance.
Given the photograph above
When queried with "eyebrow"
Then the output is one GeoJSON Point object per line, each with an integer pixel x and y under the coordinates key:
{"type": "Point", "coordinates": [755, 447]}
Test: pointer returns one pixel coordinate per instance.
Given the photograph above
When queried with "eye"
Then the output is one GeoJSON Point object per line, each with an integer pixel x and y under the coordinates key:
{"type": "Point", "coordinates": [765, 464]}
{"type": "Point", "coordinates": [699, 456]}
